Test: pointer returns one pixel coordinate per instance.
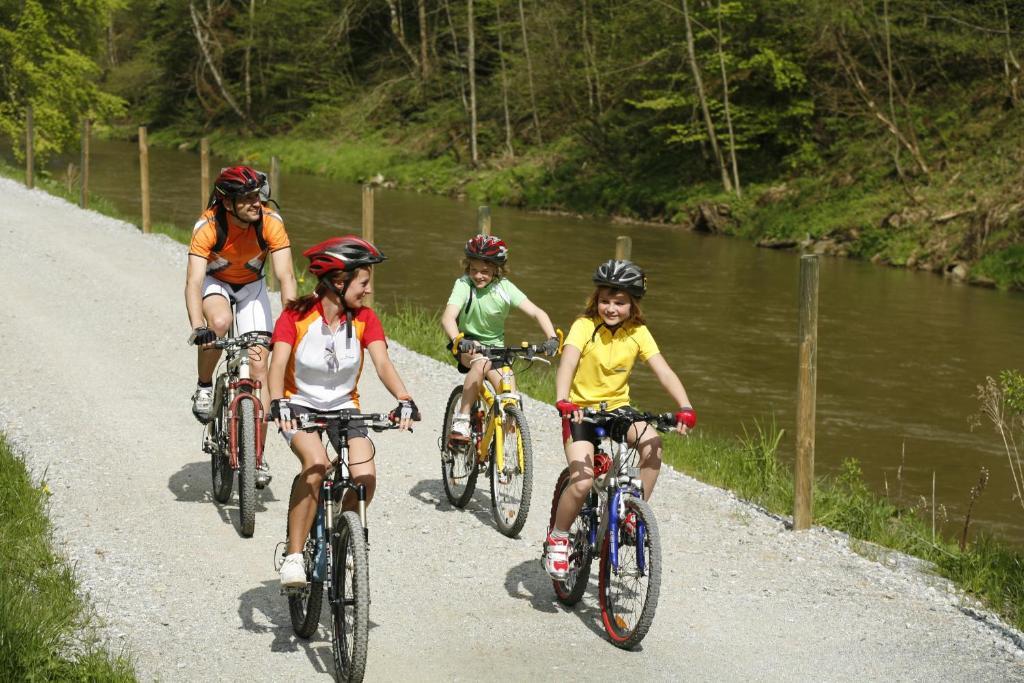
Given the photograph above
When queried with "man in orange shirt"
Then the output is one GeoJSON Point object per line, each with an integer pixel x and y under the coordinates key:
{"type": "Point", "coordinates": [230, 244]}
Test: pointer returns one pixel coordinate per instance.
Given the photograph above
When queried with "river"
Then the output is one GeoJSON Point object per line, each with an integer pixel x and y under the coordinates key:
{"type": "Point", "coordinates": [900, 353]}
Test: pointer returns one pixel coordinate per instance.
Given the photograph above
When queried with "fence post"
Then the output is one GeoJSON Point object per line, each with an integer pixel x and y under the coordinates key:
{"type": "Point", "coordinates": [204, 172]}
{"type": "Point", "coordinates": [144, 178]}
{"type": "Point", "coordinates": [83, 198]}
{"type": "Point", "coordinates": [483, 220]}
{"type": "Point", "coordinates": [368, 229]}
{"type": "Point", "coordinates": [806, 394]}
{"type": "Point", "coordinates": [275, 178]}
{"type": "Point", "coordinates": [623, 248]}
{"type": "Point", "coordinates": [30, 139]}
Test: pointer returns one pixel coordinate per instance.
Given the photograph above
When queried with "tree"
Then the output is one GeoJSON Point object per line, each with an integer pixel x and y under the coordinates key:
{"type": "Point", "coordinates": [47, 53]}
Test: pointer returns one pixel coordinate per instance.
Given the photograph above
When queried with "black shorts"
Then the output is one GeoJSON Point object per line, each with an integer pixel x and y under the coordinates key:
{"type": "Point", "coordinates": [458, 362]}
{"type": "Point", "coordinates": [333, 435]}
{"type": "Point", "coordinates": [580, 431]}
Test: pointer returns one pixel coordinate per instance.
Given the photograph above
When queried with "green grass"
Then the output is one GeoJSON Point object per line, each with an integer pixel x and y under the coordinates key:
{"type": "Point", "coordinates": [46, 629]}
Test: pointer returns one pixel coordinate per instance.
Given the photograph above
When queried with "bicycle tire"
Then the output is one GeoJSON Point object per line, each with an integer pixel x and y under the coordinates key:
{"type": "Point", "coordinates": [458, 465]}
{"type": "Point", "coordinates": [247, 466]}
{"type": "Point", "coordinates": [512, 489]}
{"type": "Point", "coordinates": [223, 477]}
{"type": "Point", "coordinates": [305, 607]}
{"type": "Point", "coordinates": [350, 598]}
{"type": "Point", "coordinates": [570, 590]}
{"type": "Point", "coordinates": [628, 599]}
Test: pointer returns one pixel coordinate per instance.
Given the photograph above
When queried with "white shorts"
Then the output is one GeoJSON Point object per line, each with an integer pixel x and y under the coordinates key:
{"type": "Point", "coordinates": [251, 303]}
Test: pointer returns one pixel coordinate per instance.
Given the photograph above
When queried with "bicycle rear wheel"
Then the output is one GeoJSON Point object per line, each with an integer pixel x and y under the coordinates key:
{"type": "Point", "coordinates": [570, 590]}
{"type": "Point", "coordinates": [629, 595]}
{"type": "Point", "coordinates": [220, 462]}
{"type": "Point", "coordinates": [350, 597]}
{"type": "Point", "coordinates": [512, 487]}
{"type": "Point", "coordinates": [247, 465]}
{"type": "Point", "coordinates": [304, 606]}
{"type": "Point", "coordinates": [458, 464]}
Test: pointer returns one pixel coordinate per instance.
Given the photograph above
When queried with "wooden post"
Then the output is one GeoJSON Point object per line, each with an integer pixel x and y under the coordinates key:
{"type": "Point", "coordinates": [368, 230]}
{"type": "Point", "coordinates": [144, 178]}
{"type": "Point", "coordinates": [30, 139]}
{"type": "Point", "coordinates": [806, 394]}
{"type": "Point", "coordinates": [204, 173]}
{"type": "Point", "coordinates": [483, 220]}
{"type": "Point", "coordinates": [275, 176]}
{"type": "Point", "coordinates": [83, 198]}
{"type": "Point", "coordinates": [623, 248]}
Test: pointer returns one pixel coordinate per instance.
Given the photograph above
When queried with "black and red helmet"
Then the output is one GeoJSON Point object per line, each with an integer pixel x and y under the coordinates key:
{"type": "Point", "coordinates": [342, 253]}
{"type": "Point", "coordinates": [487, 248]}
{"type": "Point", "coordinates": [236, 181]}
{"type": "Point", "coordinates": [621, 274]}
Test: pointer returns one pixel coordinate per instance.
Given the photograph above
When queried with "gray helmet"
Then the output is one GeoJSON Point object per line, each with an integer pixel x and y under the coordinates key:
{"type": "Point", "coordinates": [624, 275]}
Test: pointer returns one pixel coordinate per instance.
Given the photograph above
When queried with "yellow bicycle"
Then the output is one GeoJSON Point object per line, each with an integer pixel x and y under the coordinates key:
{"type": "Point", "coordinates": [499, 442]}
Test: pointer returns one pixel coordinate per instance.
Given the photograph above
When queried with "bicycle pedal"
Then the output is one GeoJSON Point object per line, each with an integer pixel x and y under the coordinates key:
{"type": "Point", "coordinates": [293, 591]}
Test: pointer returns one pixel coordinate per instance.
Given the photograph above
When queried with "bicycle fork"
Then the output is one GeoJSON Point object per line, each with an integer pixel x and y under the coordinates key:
{"type": "Point", "coordinates": [616, 514]}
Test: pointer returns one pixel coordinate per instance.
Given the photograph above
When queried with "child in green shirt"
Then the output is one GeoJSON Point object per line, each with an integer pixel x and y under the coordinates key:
{"type": "Point", "coordinates": [479, 303]}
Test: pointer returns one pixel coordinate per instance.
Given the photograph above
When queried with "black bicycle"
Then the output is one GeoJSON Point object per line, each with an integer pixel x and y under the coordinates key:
{"type": "Point", "coordinates": [234, 436]}
{"type": "Point", "coordinates": [337, 550]}
{"type": "Point", "coordinates": [630, 552]}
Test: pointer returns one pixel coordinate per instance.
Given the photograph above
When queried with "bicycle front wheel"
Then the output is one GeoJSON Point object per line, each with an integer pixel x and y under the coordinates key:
{"type": "Point", "coordinates": [629, 593]}
{"type": "Point", "coordinates": [570, 590]}
{"type": "Point", "coordinates": [304, 606]}
{"type": "Point", "coordinates": [458, 463]}
{"type": "Point", "coordinates": [247, 465]}
{"type": "Point", "coordinates": [350, 597]}
{"type": "Point", "coordinates": [512, 484]}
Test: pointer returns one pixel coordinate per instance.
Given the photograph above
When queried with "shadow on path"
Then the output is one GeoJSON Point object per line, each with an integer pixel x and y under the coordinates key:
{"type": "Point", "coordinates": [191, 484]}
{"type": "Point", "coordinates": [528, 581]}
{"type": "Point", "coordinates": [431, 492]}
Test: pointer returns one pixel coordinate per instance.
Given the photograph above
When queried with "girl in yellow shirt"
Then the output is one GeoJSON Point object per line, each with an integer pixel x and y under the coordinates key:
{"type": "Point", "coordinates": [597, 358]}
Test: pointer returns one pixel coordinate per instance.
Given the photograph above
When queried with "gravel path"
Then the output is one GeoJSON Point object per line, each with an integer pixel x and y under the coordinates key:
{"type": "Point", "coordinates": [97, 381]}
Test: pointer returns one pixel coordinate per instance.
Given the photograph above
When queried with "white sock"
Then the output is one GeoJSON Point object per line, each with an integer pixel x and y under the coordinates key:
{"type": "Point", "coordinates": [558, 533]}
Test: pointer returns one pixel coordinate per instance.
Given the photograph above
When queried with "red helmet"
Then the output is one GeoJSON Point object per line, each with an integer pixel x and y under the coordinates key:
{"type": "Point", "coordinates": [342, 253]}
{"type": "Point", "coordinates": [487, 248]}
{"type": "Point", "coordinates": [235, 181]}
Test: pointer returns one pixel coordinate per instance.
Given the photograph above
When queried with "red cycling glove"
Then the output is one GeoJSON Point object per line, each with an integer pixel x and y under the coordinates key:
{"type": "Point", "coordinates": [566, 408]}
{"type": "Point", "coordinates": [686, 416]}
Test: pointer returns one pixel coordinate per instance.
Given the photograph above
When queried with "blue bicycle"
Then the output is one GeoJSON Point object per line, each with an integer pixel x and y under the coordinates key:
{"type": "Point", "coordinates": [630, 553]}
{"type": "Point", "coordinates": [337, 550]}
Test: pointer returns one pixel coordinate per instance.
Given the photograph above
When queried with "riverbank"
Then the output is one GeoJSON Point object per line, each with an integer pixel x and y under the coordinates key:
{"type": "Point", "coordinates": [964, 221]}
{"type": "Point", "coordinates": [741, 595]}
{"type": "Point", "coordinates": [47, 627]}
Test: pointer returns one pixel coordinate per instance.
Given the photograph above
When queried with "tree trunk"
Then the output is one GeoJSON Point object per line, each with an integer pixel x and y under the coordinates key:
{"type": "Point", "coordinates": [728, 114]}
{"type": "Point", "coordinates": [398, 29]}
{"type": "Point", "coordinates": [202, 40]}
{"type": "Point", "coordinates": [471, 67]}
{"type": "Point", "coordinates": [712, 138]}
{"type": "Point", "coordinates": [1011, 66]}
{"type": "Point", "coordinates": [248, 58]}
{"type": "Point", "coordinates": [504, 81]}
{"type": "Point", "coordinates": [424, 39]}
{"type": "Point", "coordinates": [529, 74]}
{"type": "Point", "coordinates": [458, 56]}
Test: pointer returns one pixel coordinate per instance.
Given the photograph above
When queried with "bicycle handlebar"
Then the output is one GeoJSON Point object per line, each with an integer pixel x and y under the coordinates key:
{"type": "Point", "coordinates": [242, 341]}
{"type": "Point", "coordinates": [663, 422]}
{"type": "Point", "coordinates": [378, 422]}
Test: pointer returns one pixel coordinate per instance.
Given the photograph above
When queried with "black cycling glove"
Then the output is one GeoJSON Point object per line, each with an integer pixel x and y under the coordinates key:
{"type": "Point", "coordinates": [550, 347]}
{"type": "Point", "coordinates": [280, 410]}
{"type": "Point", "coordinates": [406, 410]}
{"type": "Point", "coordinates": [202, 335]}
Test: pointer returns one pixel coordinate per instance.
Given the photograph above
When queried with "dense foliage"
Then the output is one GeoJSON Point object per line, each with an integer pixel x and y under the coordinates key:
{"type": "Point", "coordinates": [888, 129]}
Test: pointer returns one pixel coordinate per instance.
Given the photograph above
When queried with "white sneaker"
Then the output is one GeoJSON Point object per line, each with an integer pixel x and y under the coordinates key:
{"type": "Point", "coordinates": [556, 556]}
{"type": "Point", "coordinates": [202, 403]}
{"type": "Point", "coordinates": [293, 571]}
{"type": "Point", "coordinates": [263, 476]}
{"type": "Point", "coordinates": [460, 429]}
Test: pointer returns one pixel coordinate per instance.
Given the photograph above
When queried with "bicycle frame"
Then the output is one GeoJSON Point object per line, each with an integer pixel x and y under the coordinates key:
{"type": "Point", "coordinates": [611, 497]}
{"type": "Point", "coordinates": [323, 523]}
{"type": "Point", "coordinates": [495, 430]}
{"type": "Point", "coordinates": [238, 383]}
